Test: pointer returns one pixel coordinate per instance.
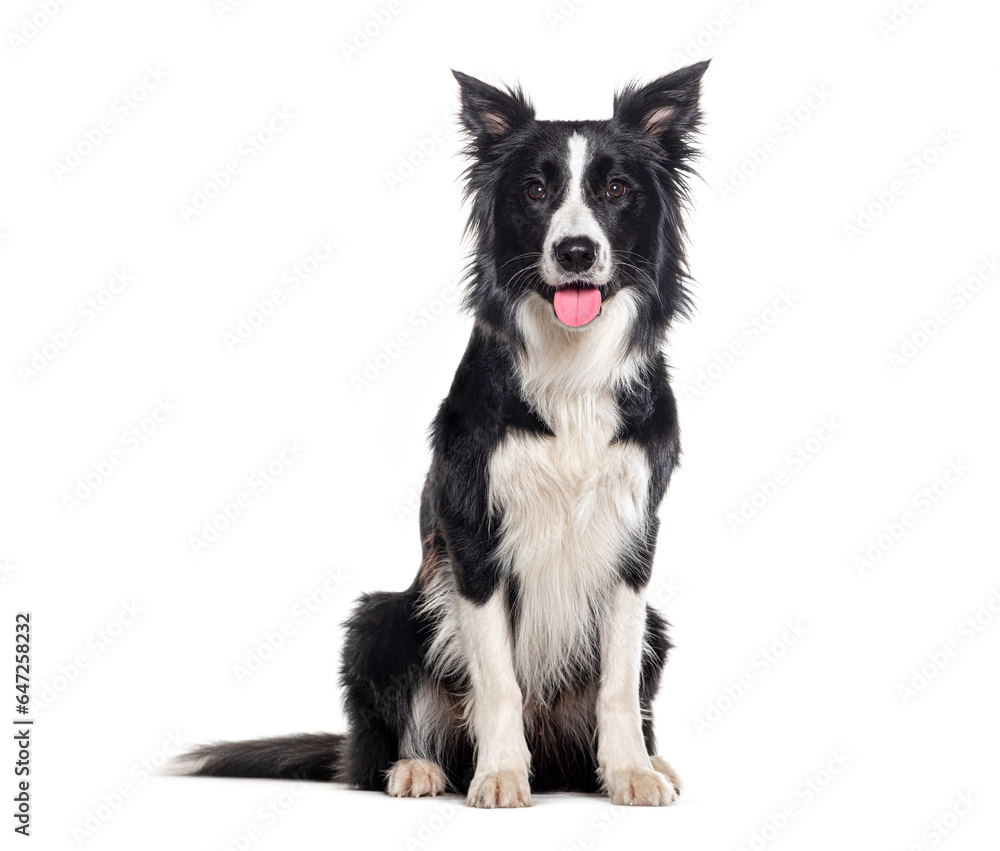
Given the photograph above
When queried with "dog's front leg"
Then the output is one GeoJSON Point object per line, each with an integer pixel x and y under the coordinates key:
{"type": "Point", "coordinates": [623, 761]}
{"type": "Point", "coordinates": [496, 706]}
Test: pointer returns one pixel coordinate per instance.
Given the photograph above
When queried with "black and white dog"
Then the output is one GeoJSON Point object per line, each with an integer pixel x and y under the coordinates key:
{"type": "Point", "coordinates": [524, 654]}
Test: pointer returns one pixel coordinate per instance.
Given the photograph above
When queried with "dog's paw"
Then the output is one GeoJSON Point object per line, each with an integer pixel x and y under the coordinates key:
{"type": "Point", "coordinates": [499, 789]}
{"type": "Point", "coordinates": [413, 778]}
{"type": "Point", "coordinates": [664, 767]}
{"type": "Point", "coordinates": [640, 787]}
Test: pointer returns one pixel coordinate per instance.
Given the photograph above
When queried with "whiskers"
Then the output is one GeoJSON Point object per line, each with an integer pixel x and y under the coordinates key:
{"type": "Point", "coordinates": [521, 279]}
{"type": "Point", "coordinates": [636, 274]}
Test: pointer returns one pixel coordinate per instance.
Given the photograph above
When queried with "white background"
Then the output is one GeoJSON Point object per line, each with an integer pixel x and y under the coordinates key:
{"type": "Point", "coordinates": [865, 98]}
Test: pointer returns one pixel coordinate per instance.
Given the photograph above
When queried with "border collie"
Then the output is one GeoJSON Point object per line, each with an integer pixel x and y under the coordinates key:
{"type": "Point", "coordinates": [524, 655]}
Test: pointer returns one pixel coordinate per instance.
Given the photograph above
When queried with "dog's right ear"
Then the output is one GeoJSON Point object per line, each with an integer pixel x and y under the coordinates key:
{"type": "Point", "coordinates": [489, 114]}
{"type": "Point", "coordinates": [667, 109]}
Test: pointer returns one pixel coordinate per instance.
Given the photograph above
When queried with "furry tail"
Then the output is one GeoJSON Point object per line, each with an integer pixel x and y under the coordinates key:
{"type": "Point", "coordinates": [307, 756]}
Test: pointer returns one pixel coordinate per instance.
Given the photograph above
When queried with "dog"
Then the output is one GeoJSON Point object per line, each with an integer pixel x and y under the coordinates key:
{"type": "Point", "coordinates": [524, 655]}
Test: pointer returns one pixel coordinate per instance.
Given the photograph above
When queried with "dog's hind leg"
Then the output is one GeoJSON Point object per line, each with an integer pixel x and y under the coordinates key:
{"type": "Point", "coordinates": [424, 746]}
{"type": "Point", "coordinates": [382, 666]}
{"type": "Point", "coordinates": [400, 729]}
{"type": "Point", "coordinates": [414, 778]}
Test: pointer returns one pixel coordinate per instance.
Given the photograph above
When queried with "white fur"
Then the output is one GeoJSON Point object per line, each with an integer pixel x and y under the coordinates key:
{"type": "Point", "coordinates": [476, 640]}
{"type": "Point", "coordinates": [667, 770]}
{"type": "Point", "coordinates": [445, 656]}
{"type": "Point", "coordinates": [564, 367]}
{"type": "Point", "coordinates": [414, 778]}
{"type": "Point", "coordinates": [571, 503]}
{"type": "Point", "coordinates": [183, 766]}
{"type": "Point", "coordinates": [495, 710]}
{"type": "Point", "coordinates": [431, 725]}
{"type": "Point", "coordinates": [623, 762]}
{"type": "Point", "coordinates": [619, 721]}
{"type": "Point", "coordinates": [575, 218]}
{"type": "Point", "coordinates": [499, 789]}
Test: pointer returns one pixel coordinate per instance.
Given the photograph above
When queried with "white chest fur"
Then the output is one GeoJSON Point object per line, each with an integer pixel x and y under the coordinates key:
{"type": "Point", "coordinates": [571, 503]}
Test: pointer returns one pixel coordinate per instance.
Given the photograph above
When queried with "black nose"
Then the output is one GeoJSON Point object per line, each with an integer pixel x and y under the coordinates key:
{"type": "Point", "coordinates": [576, 254]}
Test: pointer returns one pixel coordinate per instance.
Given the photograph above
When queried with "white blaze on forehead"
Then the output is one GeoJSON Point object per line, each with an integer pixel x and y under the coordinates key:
{"type": "Point", "coordinates": [577, 163]}
{"type": "Point", "coordinates": [574, 217]}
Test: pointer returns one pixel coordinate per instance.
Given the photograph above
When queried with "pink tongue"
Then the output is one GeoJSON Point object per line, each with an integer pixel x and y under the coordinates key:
{"type": "Point", "coordinates": [576, 306]}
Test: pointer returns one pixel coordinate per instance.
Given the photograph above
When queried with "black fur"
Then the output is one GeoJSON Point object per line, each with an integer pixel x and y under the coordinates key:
{"type": "Point", "coordinates": [306, 756]}
{"type": "Point", "coordinates": [648, 143]}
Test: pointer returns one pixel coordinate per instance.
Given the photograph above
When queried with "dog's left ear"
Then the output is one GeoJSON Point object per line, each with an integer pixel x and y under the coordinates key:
{"type": "Point", "coordinates": [488, 113]}
{"type": "Point", "coordinates": [666, 109]}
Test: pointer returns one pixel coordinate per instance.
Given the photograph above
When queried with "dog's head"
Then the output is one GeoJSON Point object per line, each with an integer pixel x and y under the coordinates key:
{"type": "Point", "coordinates": [573, 212]}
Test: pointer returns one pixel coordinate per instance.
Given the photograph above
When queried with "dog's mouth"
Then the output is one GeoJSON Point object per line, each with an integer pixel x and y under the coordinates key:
{"type": "Point", "coordinates": [577, 304]}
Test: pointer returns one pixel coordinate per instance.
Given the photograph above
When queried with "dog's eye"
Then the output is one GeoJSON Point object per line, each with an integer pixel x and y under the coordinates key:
{"type": "Point", "coordinates": [616, 189]}
{"type": "Point", "coordinates": [536, 191]}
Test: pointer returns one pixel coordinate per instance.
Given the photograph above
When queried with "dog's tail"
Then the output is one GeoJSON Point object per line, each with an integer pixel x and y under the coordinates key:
{"type": "Point", "coordinates": [307, 756]}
